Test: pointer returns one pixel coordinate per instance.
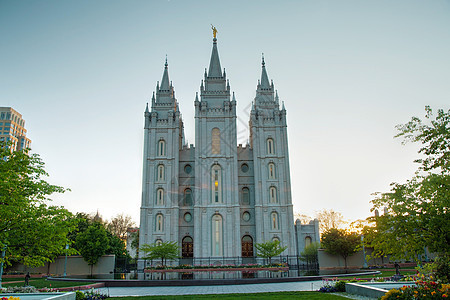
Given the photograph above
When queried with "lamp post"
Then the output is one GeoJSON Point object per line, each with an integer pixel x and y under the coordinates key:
{"type": "Point", "coordinates": [65, 261]}
{"type": "Point", "coordinates": [364, 251]}
{"type": "Point", "coordinates": [1, 264]}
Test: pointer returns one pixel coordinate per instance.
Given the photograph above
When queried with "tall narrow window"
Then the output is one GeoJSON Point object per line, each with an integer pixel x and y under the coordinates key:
{"type": "Point", "coordinates": [215, 141]}
{"type": "Point", "coordinates": [307, 241]}
{"type": "Point", "coordinates": [217, 244]}
{"type": "Point", "coordinates": [160, 197]}
{"type": "Point", "coordinates": [274, 220]}
{"type": "Point", "coordinates": [187, 197]}
{"type": "Point", "coordinates": [273, 194]}
{"type": "Point", "coordinates": [272, 173]}
{"type": "Point", "coordinates": [216, 183]}
{"type": "Point", "coordinates": [270, 146]}
{"type": "Point", "coordinates": [161, 148]}
{"type": "Point", "coordinates": [160, 172]}
{"type": "Point", "coordinates": [245, 196]}
{"type": "Point", "coordinates": [159, 223]}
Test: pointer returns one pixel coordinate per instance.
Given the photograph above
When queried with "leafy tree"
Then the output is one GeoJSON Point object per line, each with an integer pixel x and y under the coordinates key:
{"type": "Point", "coordinates": [118, 225]}
{"type": "Point", "coordinates": [164, 251]}
{"type": "Point", "coordinates": [340, 242]}
{"type": "Point", "coordinates": [92, 243]}
{"type": "Point", "coordinates": [31, 231]}
{"type": "Point", "coordinates": [269, 249]}
{"type": "Point", "coordinates": [329, 219]}
{"type": "Point", "coordinates": [310, 254]}
{"type": "Point", "coordinates": [417, 212]}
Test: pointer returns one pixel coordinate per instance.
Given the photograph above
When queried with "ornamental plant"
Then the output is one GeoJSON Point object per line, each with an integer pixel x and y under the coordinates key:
{"type": "Point", "coordinates": [423, 290]}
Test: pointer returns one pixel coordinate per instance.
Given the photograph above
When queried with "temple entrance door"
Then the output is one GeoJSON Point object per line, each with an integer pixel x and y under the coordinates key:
{"type": "Point", "coordinates": [187, 247]}
{"type": "Point", "coordinates": [247, 246]}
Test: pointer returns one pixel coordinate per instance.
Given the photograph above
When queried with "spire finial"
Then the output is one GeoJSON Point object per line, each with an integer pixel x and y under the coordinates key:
{"type": "Point", "coordinates": [166, 64]}
{"type": "Point", "coordinates": [263, 63]}
{"type": "Point", "coordinates": [214, 30]}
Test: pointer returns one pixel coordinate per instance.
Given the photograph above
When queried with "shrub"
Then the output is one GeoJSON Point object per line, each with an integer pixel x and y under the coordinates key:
{"type": "Point", "coordinates": [79, 295]}
{"type": "Point", "coordinates": [443, 268]}
{"type": "Point", "coordinates": [340, 286]}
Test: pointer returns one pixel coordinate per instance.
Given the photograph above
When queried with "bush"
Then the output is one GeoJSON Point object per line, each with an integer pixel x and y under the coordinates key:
{"type": "Point", "coordinates": [443, 268]}
{"type": "Point", "coordinates": [79, 295]}
{"type": "Point", "coordinates": [340, 286]}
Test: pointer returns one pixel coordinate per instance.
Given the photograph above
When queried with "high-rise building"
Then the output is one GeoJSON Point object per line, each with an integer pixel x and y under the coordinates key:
{"type": "Point", "coordinates": [218, 199]}
{"type": "Point", "coordinates": [12, 128]}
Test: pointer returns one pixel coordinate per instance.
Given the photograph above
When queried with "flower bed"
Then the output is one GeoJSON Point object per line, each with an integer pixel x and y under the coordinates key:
{"type": "Point", "coordinates": [216, 269]}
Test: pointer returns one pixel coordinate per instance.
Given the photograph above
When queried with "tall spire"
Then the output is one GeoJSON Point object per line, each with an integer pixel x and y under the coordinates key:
{"type": "Point", "coordinates": [264, 78]}
{"type": "Point", "coordinates": [214, 65]}
{"type": "Point", "coordinates": [165, 79]}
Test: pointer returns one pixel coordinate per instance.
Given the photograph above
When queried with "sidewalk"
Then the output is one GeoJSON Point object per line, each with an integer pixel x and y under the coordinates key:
{"type": "Point", "coordinates": [213, 289]}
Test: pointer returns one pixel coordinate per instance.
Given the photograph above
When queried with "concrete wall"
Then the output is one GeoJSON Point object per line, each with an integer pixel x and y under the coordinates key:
{"type": "Point", "coordinates": [76, 265]}
{"type": "Point", "coordinates": [329, 261]}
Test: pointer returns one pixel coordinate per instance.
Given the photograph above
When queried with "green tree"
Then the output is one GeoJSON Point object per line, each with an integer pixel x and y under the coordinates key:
{"type": "Point", "coordinates": [92, 243]}
{"type": "Point", "coordinates": [310, 253]}
{"type": "Point", "coordinates": [31, 231]}
{"type": "Point", "coordinates": [269, 249]}
{"type": "Point", "coordinates": [164, 251]}
{"type": "Point", "coordinates": [340, 242]}
{"type": "Point", "coordinates": [418, 210]}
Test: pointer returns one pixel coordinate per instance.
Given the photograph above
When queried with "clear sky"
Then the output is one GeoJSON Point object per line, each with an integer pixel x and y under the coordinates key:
{"type": "Point", "coordinates": [81, 72]}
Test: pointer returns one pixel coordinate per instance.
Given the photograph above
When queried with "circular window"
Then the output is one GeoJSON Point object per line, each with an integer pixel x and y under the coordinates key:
{"type": "Point", "coordinates": [187, 217]}
{"type": "Point", "coordinates": [246, 216]}
{"type": "Point", "coordinates": [244, 168]}
{"type": "Point", "coordinates": [187, 169]}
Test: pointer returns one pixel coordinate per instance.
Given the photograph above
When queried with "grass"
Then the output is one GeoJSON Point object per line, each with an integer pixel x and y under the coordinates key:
{"type": "Point", "coordinates": [42, 282]}
{"type": "Point", "coordinates": [254, 296]}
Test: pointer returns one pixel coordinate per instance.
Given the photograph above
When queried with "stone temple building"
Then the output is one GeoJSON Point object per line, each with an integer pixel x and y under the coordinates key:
{"type": "Point", "coordinates": [218, 199]}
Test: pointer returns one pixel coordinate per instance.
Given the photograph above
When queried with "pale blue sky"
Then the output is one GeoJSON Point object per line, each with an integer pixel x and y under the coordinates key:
{"type": "Point", "coordinates": [80, 73]}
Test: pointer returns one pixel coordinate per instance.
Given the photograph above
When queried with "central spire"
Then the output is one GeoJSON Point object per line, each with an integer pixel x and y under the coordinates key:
{"type": "Point", "coordinates": [214, 65]}
{"type": "Point", "coordinates": [165, 79]}
{"type": "Point", "coordinates": [264, 78]}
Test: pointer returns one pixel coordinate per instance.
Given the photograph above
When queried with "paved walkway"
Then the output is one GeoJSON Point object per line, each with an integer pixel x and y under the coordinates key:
{"type": "Point", "coordinates": [213, 289]}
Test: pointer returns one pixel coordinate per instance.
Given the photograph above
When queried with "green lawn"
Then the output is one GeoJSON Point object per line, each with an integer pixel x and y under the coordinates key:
{"type": "Point", "coordinates": [255, 296]}
{"type": "Point", "coordinates": [42, 282]}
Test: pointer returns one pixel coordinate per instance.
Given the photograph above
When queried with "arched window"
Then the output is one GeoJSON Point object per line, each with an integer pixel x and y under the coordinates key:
{"type": "Point", "coordinates": [217, 238]}
{"type": "Point", "coordinates": [161, 148]}
{"type": "Point", "coordinates": [159, 197]}
{"type": "Point", "coordinates": [273, 195]}
{"type": "Point", "coordinates": [272, 171]}
{"type": "Point", "coordinates": [158, 242]}
{"type": "Point", "coordinates": [161, 172]}
{"type": "Point", "coordinates": [216, 184]}
{"type": "Point", "coordinates": [274, 221]}
{"type": "Point", "coordinates": [187, 197]}
{"type": "Point", "coordinates": [270, 146]}
{"type": "Point", "coordinates": [245, 196]}
{"type": "Point", "coordinates": [307, 241]}
{"type": "Point", "coordinates": [275, 238]}
{"type": "Point", "coordinates": [159, 226]}
{"type": "Point", "coordinates": [215, 141]}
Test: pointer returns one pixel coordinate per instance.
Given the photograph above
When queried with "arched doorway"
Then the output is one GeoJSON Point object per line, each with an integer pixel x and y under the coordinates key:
{"type": "Point", "coordinates": [247, 246]}
{"type": "Point", "coordinates": [187, 247]}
